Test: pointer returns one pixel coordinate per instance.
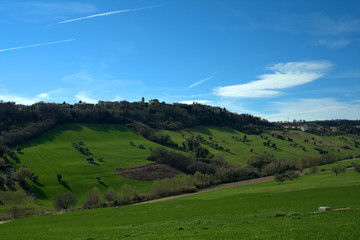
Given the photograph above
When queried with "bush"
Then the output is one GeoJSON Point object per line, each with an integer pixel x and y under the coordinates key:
{"type": "Point", "coordinates": [65, 200]}
{"type": "Point", "coordinates": [127, 194]}
{"type": "Point", "coordinates": [92, 198]}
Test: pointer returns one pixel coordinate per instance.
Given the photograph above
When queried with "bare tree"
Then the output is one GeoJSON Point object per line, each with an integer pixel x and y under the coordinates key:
{"type": "Point", "coordinates": [92, 198]}
{"type": "Point", "coordinates": [65, 200]}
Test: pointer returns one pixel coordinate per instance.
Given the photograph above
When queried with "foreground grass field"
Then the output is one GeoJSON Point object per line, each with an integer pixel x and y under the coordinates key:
{"type": "Point", "coordinates": [261, 211]}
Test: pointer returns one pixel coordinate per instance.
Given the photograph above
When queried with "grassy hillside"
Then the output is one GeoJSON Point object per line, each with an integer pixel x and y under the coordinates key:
{"type": "Point", "coordinates": [53, 154]}
{"type": "Point", "coordinates": [261, 211]}
{"type": "Point", "coordinates": [241, 151]}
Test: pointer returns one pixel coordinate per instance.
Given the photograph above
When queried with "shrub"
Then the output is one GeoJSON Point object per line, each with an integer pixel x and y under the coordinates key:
{"type": "Point", "coordinates": [127, 194]}
{"type": "Point", "coordinates": [65, 200]}
{"type": "Point", "coordinates": [110, 195]}
{"type": "Point", "coordinates": [58, 178]}
{"type": "Point", "coordinates": [314, 169]}
{"type": "Point", "coordinates": [92, 198]}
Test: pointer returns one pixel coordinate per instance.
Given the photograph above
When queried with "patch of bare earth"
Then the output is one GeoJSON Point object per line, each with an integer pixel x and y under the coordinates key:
{"type": "Point", "coordinates": [148, 172]}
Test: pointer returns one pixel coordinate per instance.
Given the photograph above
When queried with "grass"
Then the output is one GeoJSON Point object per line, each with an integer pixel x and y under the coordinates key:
{"type": "Point", "coordinates": [261, 211]}
{"type": "Point", "coordinates": [53, 154]}
{"type": "Point", "coordinates": [240, 152]}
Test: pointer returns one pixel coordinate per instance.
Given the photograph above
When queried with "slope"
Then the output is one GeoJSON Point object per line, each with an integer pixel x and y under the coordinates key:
{"type": "Point", "coordinates": [260, 211]}
{"type": "Point", "coordinates": [53, 153]}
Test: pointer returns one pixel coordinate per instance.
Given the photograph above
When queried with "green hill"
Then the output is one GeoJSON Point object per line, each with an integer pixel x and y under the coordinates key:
{"type": "Point", "coordinates": [53, 154]}
{"type": "Point", "coordinates": [109, 145]}
{"type": "Point", "coordinates": [260, 211]}
{"type": "Point", "coordinates": [288, 143]}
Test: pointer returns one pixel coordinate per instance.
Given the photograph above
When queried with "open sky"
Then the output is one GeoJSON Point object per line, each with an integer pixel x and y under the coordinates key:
{"type": "Point", "coordinates": [279, 60]}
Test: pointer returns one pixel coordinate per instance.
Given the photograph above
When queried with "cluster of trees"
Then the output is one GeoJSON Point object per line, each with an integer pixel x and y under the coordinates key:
{"type": "Point", "coordinates": [20, 123]}
{"type": "Point", "coordinates": [288, 175]}
{"type": "Point", "coordinates": [215, 167]}
{"type": "Point", "coordinates": [339, 169]}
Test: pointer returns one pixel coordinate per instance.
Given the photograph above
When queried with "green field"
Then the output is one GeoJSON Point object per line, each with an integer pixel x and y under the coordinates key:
{"type": "Point", "coordinates": [240, 151]}
{"type": "Point", "coordinates": [53, 154]}
{"type": "Point", "coordinates": [260, 211]}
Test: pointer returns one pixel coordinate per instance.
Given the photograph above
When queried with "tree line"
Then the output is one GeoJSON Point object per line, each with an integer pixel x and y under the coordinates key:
{"type": "Point", "coordinates": [20, 123]}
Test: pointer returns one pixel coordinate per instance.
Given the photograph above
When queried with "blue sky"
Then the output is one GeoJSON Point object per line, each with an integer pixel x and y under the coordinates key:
{"type": "Point", "coordinates": [278, 60]}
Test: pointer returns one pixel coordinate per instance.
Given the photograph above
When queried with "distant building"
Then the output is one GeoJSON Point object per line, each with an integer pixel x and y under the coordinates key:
{"type": "Point", "coordinates": [154, 101]}
{"type": "Point", "coordinates": [84, 106]}
{"type": "Point", "coordinates": [304, 128]}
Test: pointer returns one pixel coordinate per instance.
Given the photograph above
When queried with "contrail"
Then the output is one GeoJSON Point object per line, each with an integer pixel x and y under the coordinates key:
{"type": "Point", "coordinates": [200, 82]}
{"type": "Point", "coordinates": [36, 45]}
{"type": "Point", "coordinates": [106, 14]}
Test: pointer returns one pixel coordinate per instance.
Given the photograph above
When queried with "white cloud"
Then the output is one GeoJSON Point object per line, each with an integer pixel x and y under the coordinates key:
{"type": "Point", "coordinates": [105, 14]}
{"type": "Point", "coordinates": [46, 96]}
{"type": "Point", "coordinates": [196, 101]}
{"type": "Point", "coordinates": [285, 75]}
{"type": "Point", "coordinates": [200, 82]}
{"type": "Point", "coordinates": [78, 78]}
{"type": "Point", "coordinates": [314, 109]}
{"type": "Point", "coordinates": [84, 97]}
{"type": "Point", "coordinates": [333, 43]}
{"type": "Point", "coordinates": [18, 99]}
{"type": "Point", "coordinates": [42, 11]}
{"type": "Point", "coordinates": [117, 98]}
{"type": "Point", "coordinates": [36, 45]}
{"type": "Point", "coordinates": [325, 31]}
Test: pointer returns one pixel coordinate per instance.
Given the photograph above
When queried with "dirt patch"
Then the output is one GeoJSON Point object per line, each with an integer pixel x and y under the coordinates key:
{"type": "Point", "coordinates": [148, 172]}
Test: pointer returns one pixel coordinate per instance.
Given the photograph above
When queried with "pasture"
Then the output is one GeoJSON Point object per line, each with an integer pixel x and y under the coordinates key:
{"type": "Point", "coordinates": [260, 211]}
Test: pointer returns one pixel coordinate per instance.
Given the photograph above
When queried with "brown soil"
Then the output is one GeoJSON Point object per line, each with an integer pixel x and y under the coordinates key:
{"type": "Point", "coordinates": [148, 172]}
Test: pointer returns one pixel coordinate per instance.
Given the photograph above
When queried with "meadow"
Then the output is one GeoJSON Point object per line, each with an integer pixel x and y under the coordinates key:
{"type": "Point", "coordinates": [254, 145]}
{"type": "Point", "coordinates": [260, 211]}
{"type": "Point", "coordinates": [52, 154]}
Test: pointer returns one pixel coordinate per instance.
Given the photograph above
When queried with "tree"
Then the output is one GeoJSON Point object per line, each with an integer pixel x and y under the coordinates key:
{"type": "Point", "coordinates": [65, 200]}
{"type": "Point", "coordinates": [335, 170]}
{"type": "Point", "coordinates": [127, 193]}
{"type": "Point", "coordinates": [110, 195]}
{"type": "Point", "coordinates": [280, 178]}
{"type": "Point", "coordinates": [22, 173]}
{"type": "Point", "coordinates": [58, 178]}
{"type": "Point", "coordinates": [314, 169]}
{"type": "Point", "coordinates": [92, 198]}
{"type": "Point", "coordinates": [356, 167]}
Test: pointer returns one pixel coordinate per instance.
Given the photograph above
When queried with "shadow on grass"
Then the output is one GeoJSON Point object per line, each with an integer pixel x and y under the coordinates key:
{"type": "Point", "coordinates": [65, 185]}
{"type": "Point", "coordinates": [39, 184]}
{"type": "Point", "coordinates": [50, 135]}
{"type": "Point", "coordinates": [94, 163]}
{"type": "Point", "coordinates": [106, 127]}
{"type": "Point", "coordinates": [38, 192]}
{"type": "Point", "coordinates": [104, 184]}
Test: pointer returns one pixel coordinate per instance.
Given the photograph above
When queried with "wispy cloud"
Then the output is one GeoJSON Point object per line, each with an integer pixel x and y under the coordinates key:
{"type": "Point", "coordinates": [36, 45]}
{"type": "Point", "coordinates": [196, 101]}
{"type": "Point", "coordinates": [35, 12]}
{"type": "Point", "coordinates": [48, 95]}
{"type": "Point", "coordinates": [324, 31]}
{"type": "Point", "coordinates": [333, 43]}
{"type": "Point", "coordinates": [285, 75]}
{"type": "Point", "coordinates": [314, 109]}
{"type": "Point", "coordinates": [84, 97]}
{"type": "Point", "coordinates": [106, 14]}
{"type": "Point", "coordinates": [200, 82]}
{"type": "Point", "coordinates": [29, 100]}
